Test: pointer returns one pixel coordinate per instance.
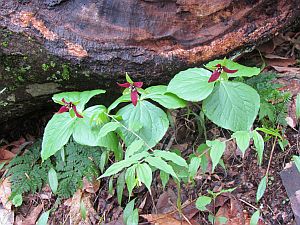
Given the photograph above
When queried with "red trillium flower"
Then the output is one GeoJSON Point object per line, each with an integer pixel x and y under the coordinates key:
{"type": "Point", "coordinates": [217, 72]}
{"type": "Point", "coordinates": [67, 107]}
{"type": "Point", "coordinates": [133, 90]}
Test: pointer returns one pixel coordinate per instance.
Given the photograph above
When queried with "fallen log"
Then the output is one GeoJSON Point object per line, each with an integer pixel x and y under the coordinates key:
{"type": "Point", "coordinates": [57, 45]}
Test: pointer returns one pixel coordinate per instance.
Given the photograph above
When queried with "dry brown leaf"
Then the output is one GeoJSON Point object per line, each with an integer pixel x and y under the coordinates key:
{"type": "Point", "coordinates": [5, 192]}
{"type": "Point", "coordinates": [91, 187]}
{"type": "Point", "coordinates": [284, 69]}
{"type": "Point", "coordinates": [6, 217]}
{"type": "Point", "coordinates": [163, 219]}
{"type": "Point", "coordinates": [33, 216]}
{"type": "Point", "coordinates": [233, 212]}
{"type": "Point", "coordinates": [6, 155]}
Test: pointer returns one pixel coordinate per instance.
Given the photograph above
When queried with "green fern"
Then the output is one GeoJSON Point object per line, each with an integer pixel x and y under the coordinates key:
{"type": "Point", "coordinates": [28, 174]}
{"type": "Point", "coordinates": [274, 103]}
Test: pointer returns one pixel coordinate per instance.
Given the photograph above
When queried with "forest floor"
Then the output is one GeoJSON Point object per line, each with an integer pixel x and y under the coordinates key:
{"type": "Point", "coordinates": [281, 56]}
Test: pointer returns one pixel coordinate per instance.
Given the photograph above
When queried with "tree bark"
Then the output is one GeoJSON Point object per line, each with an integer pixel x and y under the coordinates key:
{"type": "Point", "coordinates": [57, 45]}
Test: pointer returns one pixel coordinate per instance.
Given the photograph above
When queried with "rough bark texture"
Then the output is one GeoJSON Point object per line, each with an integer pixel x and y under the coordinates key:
{"type": "Point", "coordinates": [56, 45]}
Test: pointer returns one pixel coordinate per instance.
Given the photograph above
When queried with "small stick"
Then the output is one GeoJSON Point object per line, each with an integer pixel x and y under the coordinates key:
{"type": "Point", "coordinates": [247, 203]}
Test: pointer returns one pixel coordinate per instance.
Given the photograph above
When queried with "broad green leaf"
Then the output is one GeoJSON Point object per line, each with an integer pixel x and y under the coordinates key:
{"type": "Point", "coordinates": [259, 145]}
{"type": "Point", "coordinates": [167, 100]}
{"type": "Point", "coordinates": [298, 106]}
{"type": "Point", "coordinates": [57, 134]}
{"type": "Point", "coordinates": [43, 220]}
{"type": "Point", "coordinates": [232, 105]}
{"type": "Point", "coordinates": [164, 178]}
{"type": "Point", "coordinates": [171, 156]}
{"type": "Point", "coordinates": [134, 147]}
{"type": "Point", "coordinates": [53, 181]}
{"type": "Point", "coordinates": [122, 99]}
{"type": "Point", "coordinates": [222, 220]}
{"type": "Point", "coordinates": [191, 84]}
{"type": "Point", "coordinates": [144, 175]}
{"type": "Point", "coordinates": [297, 162]}
{"type": "Point", "coordinates": [242, 140]}
{"type": "Point", "coordinates": [243, 71]}
{"type": "Point", "coordinates": [194, 166]}
{"type": "Point", "coordinates": [82, 210]}
{"type": "Point", "coordinates": [128, 211]}
{"type": "Point", "coordinates": [202, 202]}
{"type": "Point", "coordinates": [103, 160]}
{"type": "Point", "coordinates": [118, 166]}
{"type": "Point", "coordinates": [153, 121]}
{"type": "Point", "coordinates": [254, 218]}
{"type": "Point", "coordinates": [133, 218]}
{"type": "Point", "coordinates": [77, 97]}
{"type": "Point", "coordinates": [130, 179]}
{"type": "Point", "coordinates": [17, 200]}
{"type": "Point", "coordinates": [120, 187]}
{"type": "Point", "coordinates": [261, 188]}
{"type": "Point", "coordinates": [216, 151]}
{"type": "Point", "coordinates": [87, 130]}
{"type": "Point", "coordinates": [108, 127]}
{"type": "Point", "coordinates": [161, 165]}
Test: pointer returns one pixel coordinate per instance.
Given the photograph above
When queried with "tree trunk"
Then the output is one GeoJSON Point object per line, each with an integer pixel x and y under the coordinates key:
{"type": "Point", "coordinates": [57, 45]}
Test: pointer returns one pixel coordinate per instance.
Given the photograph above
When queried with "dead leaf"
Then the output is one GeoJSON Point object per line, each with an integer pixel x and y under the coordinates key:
{"type": "Point", "coordinates": [285, 69]}
{"type": "Point", "coordinates": [5, 192]}
{"type": "Point", "coordinates": [6, 155]}
{"type": "Point", "coordinates": [91, 186]}
{"type": "Point", "coordinates": [163, 219]}
{"type": "Point", "coordinates": [33, 216]}
{"type": "Point", "coordinates": [166, 202]}
{"type": "Point", "coordinates": [275, 60]}
{"type": "Point", "coordinates": [6, 217]}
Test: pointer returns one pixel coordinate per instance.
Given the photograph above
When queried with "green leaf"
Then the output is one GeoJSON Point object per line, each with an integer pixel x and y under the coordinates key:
{"type": "Point", "coordinates": [160, 95]}
{"type": "Point", "coordinates": [171, 156]}
{"type": "Point", "coordinates": [128, 79]}
{"type": "Point", "coordinates": [144, 175]}
{"type": "Point", "coordinates": [133, 148]}
{"type": "Point", "coordinates": [164, 178]}
{"type": "Point", "coordinates": [43, 220]}
{"type": "Point", "coordinates": [77, 97]}
{"type": "Point", "coordinates": [161, 165]}
{"type": "Point", "coordinates": [243, 71]}
{"type": "Point", "coordinates": [194, 166]}
{"type": "Point", "coordinates": [17, 200]}
{"type": "Point", "coordinates": [130, 179]}
{"type": "Point", "coordinates": [254, 218]}
{"type": "Point", "coordinates": [109, 127]}
{"type": "Point", "coordinates": [87, 130]}
{"type": "Point", "coordinates": [261, 188]}
{"type": "Point", "coordinates": [2, 165]}
{"type": "Point", "coordinates": [57, 134]}
{"type": "Point", "coordinates": [120, 187]}
{"type": "Point", "coordinates": [133, 218]}
{"type": "Point", "coordinates": [232, 105]}
{"type": "Point", "coordinates": [222, 220]}
{"type": "Point", "coordinates": [103, 160]}
{"type": "Point", "coordinates": [297, 162]}
{"type": "Point", "coordinates": [128, 211]}
{"type": "Point", "coordinates": [123, 98]}
{"type": "Point", "coordinates": [191, 84]}
{"type": "Point", "coordinates": [202, 202]}
{"type": "Point", "coordinates": [242, 140]}
{"type": "Point", "coordinates": [53, 181]}
{"type": "Point", "coordinates": [118, 166]}
{"type": "Point", "coordinates": [259, 145]}
{"type": "Point", "coordinates": [216, 151]}
{"type": "Point", "coordinates": [153, 122]}
{"type": "Point", "coordinates": [298, 106]}
{"type": "Point", "coordinates": [82, 210]}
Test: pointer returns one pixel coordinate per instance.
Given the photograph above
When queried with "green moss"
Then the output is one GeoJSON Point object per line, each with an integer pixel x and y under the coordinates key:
{"type": "Point", "coordinates": [66, 72]}
{"type": "Point", "coordinates": [45, 67]}
{"type": "Point", "coordinates": [4, 44]}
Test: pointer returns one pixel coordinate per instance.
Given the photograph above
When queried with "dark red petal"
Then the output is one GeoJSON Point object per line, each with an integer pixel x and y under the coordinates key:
{"type": "Point", "coordinates": [134, 97]}
{"type": "Point", "coordinates": [138, 84]}
{"type": "Point", "coordinates": [64, 101]}
{"type": "Point", "coordinates": [218, 65]}
{"type": "Point", "coordinates": [125, 85]}
{"type": "Point", "coordinates": [63, 109]}
{"type": "Point", "coordinates": [228, 70]}
{"type": "Point", "coordinates": [214, 76]}
{"type": "Point", "coordinates": [75, 111]}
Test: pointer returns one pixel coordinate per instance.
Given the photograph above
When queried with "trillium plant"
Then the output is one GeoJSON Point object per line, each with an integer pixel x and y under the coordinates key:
{"type": "Point", "coordinates": [133, 125]}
